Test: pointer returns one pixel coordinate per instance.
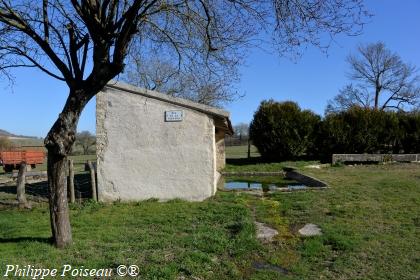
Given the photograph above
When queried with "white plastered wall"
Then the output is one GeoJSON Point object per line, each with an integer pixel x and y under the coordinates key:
{"type": "Point", "coordinates": [140, 156]}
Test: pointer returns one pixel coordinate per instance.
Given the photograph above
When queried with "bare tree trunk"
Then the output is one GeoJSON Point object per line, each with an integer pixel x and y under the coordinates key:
{"type": "Point", "coordinates": [59, 210]}
{"type": "Point", "coordinates": [377, 92]}
{"type": "Point", "coordinates": [20, 188]}
{"type": "Point", "coordinates": [59, 143]}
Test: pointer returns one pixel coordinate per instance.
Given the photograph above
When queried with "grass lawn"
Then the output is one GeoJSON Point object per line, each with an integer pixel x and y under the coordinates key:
{"type": "Point", "coordinates": [236, 158]}
{"type": "Point", "coordinates": [78, 163]}
{"type": "Point", "coordinates": [241, 151]}
{"type": "Point", "coordinates": [369, 218]}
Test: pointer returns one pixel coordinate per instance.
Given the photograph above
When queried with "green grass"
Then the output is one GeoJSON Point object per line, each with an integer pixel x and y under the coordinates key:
{"type": "Point", "coordinates": [237, 161]}
{"type": "Point", "coordinates": [241, 151]}
{"type": "Point", "coordinates": [369, 217]}
{"type": "Point", "coordinates": [212, 240]}
{"type": "Point", "coordinates": [80, 160]}
{"type": "Point", "coordinates": [78, 163]}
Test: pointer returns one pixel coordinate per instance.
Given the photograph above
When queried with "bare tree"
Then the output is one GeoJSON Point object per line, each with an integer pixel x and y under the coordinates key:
{"type": "Point", "coordinates": [383, 80]}
{"type": "Point", "coordinates": [84, 43]}
{"type": "Point", "coordinates": [192, 81]}
{"type": "Point", "coordinates": [348, 97]}
{"type": "Point", "coordinates": [241, 130]}
{"type": "Point", "coordinates": [86, 140]}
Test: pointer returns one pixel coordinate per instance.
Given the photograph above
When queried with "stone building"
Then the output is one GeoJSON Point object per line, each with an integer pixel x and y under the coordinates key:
{"type": "Point", "coordinates": [151, 145]}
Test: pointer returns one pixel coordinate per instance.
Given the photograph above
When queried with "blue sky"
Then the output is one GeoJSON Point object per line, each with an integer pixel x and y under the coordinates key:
{"type": "Point", "coordinates": [34, 102]}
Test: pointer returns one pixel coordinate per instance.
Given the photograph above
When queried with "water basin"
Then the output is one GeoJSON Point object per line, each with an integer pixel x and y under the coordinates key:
{"type": "Point", "coordinates": [261, 183]}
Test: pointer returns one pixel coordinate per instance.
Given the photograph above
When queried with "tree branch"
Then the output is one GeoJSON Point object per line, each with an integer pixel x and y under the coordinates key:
{"type": "Point", "coordinates": [46, 21]}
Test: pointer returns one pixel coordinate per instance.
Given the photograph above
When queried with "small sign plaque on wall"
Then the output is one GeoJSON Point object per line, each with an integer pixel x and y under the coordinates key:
{"type": "Point", "coordinates": [174, 116]}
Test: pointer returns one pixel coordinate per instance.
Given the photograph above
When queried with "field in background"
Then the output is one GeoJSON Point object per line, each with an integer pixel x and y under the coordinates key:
{"type": "Point", "coordinates": [27, 141]}
{"type": "Point", "coordinates": [232, 152]}
{"type": "Point", "coordinates": [39, 142]}
{"type": "Point", "coordinates": [79, 163]}
{"type": "Point", "coordinates": [238, 152]}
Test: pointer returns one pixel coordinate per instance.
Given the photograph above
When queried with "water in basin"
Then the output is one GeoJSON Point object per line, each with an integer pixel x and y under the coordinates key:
{"type": "Point", "coordinates": [261, 183]}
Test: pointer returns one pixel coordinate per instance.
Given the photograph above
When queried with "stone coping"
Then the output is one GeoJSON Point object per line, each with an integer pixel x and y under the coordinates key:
{"type": "Point", "coordinates": [167, 98]}
{"type": "Point", "coordinates": [309, 181]}
{"type": "Point", "coordinates": [375, 157]}
{"type": "Point", "coordinates": [252, 173]}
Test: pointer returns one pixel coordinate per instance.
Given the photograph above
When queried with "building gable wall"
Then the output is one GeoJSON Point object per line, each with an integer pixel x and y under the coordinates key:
{"type": "Point", "coordinates": [140, 156]}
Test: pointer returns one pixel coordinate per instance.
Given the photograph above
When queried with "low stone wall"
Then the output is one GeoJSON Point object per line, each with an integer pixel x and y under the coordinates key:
{"type": "Point", "coordinates": [375, 158]}
{"type": "Point", "coordinates": [252, 173]}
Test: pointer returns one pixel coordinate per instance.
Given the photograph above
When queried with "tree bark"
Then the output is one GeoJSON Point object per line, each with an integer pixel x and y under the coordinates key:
{"type": "Point", "coordinates": [59, 209]}
{"type": "Point", "coordinates": [377, 93]}
{"type": "Point", "coordinates": [376, 100]}
{"type": "Point", "coordinates": [59, 143]}
{"type": "Point", "coordinates": [60, 140]}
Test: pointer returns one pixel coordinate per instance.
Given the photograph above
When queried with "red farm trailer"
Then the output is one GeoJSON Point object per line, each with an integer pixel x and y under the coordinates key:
{"type": "Point", "coordinates": [12, 159]}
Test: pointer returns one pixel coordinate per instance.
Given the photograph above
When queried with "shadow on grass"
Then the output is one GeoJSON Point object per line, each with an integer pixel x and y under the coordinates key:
{"type": "Point", "coordinates": [40, 189]}
{"type": "Point", "coordinates": [47, 240]}
{"type": "Point", "coordinates": [245, 161]}
{"type": "Point", "coordinates": [82, 186]}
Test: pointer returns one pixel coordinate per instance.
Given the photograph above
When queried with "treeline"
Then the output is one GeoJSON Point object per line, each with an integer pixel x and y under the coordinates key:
{"type": "Point", "coordinates": [283, 131]}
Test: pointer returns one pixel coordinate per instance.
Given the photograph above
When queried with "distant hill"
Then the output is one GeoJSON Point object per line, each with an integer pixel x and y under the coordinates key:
{"type": "Point", "coordinates": [5, 133]}
{"type": "Point", "coordinates": [22, 140]}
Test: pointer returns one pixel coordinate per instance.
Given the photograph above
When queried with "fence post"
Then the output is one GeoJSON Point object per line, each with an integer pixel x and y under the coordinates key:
{"type": "Point", "coordinates": [93, 181]}
{"type": "Point", "coordinates": [249, 148]}
{"type": "Point", "coordinates": [79, 197]}
{"type": "Point", "coordinates": [71, 182]}
{"type": "Point", "coordinates": [20, 188]}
